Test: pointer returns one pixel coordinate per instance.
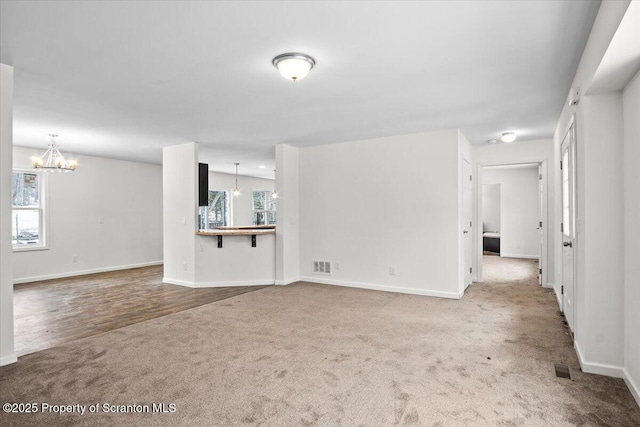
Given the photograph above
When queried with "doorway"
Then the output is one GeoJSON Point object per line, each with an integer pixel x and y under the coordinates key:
{"type": "Point", "coordinates": [568, 227]}
{"type": "Point", "coordinates": [512, 214]}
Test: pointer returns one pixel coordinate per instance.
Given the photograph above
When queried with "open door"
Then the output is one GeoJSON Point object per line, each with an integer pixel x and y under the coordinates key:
{"type": "Point", "coordinates": [568, 228]}
{"type": "Point", "coordinates": [466, 221]}
{"type": "Point", "coordinates": [540, 222]}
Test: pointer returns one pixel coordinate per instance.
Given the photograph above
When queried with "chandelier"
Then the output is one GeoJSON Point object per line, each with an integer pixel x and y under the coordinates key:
{"type": "Point", "coordinates": [52, 160]}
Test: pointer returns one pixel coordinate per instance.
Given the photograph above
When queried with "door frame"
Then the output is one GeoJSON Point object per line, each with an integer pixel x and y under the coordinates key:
{"type": "Point", "coordinates": [463, 226]}
{"type": "Point", "coordinates": [573, 146]}
{"type": "Point", "coordinates": [545, 209]}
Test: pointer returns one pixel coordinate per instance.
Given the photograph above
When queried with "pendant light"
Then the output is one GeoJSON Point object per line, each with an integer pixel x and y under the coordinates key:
{"type": "Point", "coordinates": [236, 190]}
{"type": "Point", "coordinates": [52, 160]}
{"type": "Point", "coordinates": [293, 66]}
{"type": "Point", "coordinates": [275, 194]}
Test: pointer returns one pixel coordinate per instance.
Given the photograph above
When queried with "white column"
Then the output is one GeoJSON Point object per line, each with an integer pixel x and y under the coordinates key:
{"type": "Point", "coordinates": [7, 352]}
{"type": "Point", "coordinates": [288, 216]}
{"type": "Point", "coordinates": [180, 211]}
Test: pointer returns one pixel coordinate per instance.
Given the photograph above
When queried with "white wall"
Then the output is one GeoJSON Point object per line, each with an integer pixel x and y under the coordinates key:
{"type": "Point", "coordinates": [179, 207]}
{"type": "Point", "coordinates": [108, 213]}
{"type": "Point", "coordinates": [288, 216]}
{"type": "Point", "coordinates": [388, 202]}
{"type": "Point", "coordinates": [519, 210]}
{"type": "Point", "coordinates": [491, 207]}
{"type": "Point", "coordinates": [523, 152]}
{"type": "Point", "coordinates": [236, 263]}
{"type": "Point", "coordinates": [241, 206]}
{"type": "Point", "coordinates": [7, 354]}
{"type": "Point", "coordinates": [599, 249]}
{"type": "Point", "coordinates": [601, 230]}
{"type": "Point", "coordinates": [631, 152]}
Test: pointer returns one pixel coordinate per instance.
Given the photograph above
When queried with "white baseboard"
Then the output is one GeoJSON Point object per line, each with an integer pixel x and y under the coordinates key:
{"type": "Point", "coordinates": [503, 255]}
{"type": "Point", "coordinates": [287, 281]}
{"type": "Point", "coordinates": [84, 272]}
{"type": "Point", "coordinates": [386, 288]}
{"type": "Point", "coordinates": [598, 368]}
{"type": "Point", "coordinates": [189, 284]}
{"type": "Point", "coordinates": [474, 279]}
{"type": "Point", "coordinates": [230, 284]}
{"type": "Point", "coordinates": [633, 386]}
{"type": "Point", "coordinates": [547, 285]}
{"type": "Point", "coordinates": [8, 359]}
{"type": "Point", "coordinates": [178, 282]}
{"type": "Point", "coordinates": [558, 297]}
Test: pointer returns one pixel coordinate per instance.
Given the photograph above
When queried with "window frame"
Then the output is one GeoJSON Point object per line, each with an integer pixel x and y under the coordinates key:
{"type": "Point", "coordinates": [228, 209]}
{"type": "Point", "coordinates": [268, 197]}
{"type": "Point", "coordinates": [43, 218]}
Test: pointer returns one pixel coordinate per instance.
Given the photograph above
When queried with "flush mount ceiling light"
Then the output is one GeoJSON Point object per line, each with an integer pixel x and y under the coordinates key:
{"type": "Point", "coordinates": [52, 160]}
{"type": "Point", "coordinates": [492, 141]}
{"type": "Point", "coordinates": [235, 190]}
{"type": "Point", "coordinates": [293, 66]}
{"type": "Point", "coordinates": [508, 137]}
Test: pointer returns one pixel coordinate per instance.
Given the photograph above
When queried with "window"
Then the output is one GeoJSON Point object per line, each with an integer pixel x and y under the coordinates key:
{"type": "Point", "coordinates": [27, 215]}
{"type": "Point", "coordinates": [264, 208]}
{"type": "Point", "coordinates": [217, 212]}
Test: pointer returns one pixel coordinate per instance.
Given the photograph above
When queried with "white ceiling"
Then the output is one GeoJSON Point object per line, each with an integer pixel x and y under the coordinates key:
{"type": "Point", "coordinates": [124, 79]}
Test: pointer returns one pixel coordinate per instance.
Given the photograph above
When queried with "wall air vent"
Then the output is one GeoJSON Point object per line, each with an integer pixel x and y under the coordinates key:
{"type": "Point", "coordinates": [322, 267]}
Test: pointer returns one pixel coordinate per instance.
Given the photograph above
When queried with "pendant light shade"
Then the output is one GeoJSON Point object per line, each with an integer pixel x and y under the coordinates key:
{"type": "Point", "coordinates": [235, 190]}
{"type": "Point", "coordinates": [293, 66]}
{"type": "Point", "coordinates": [275, 194]}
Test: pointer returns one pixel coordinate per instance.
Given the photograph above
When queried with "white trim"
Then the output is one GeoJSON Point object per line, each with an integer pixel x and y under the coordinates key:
{"type": "Point", "coordinates": [178, 282]}
{"type": "Point", "coordinates": [548, 285]}
{"type": "Point", "coordinates": [84, 272]}
{"type": "Point", "coordinates": [287, 282]}
{"type": "Point", "coordinates": [385, 288]}
{"type": "Point", "coordinates": [633, 387]}
{"type": "Point", "coordinates": [598, 368]}
{"type": "Point", "coordinates": [478, 205]}
{"type": "Point", "coordinates": [474, 279]}
{"type": "Point", "coordinates": [229, 284]}
{"type": "Point", "coordinates": [519, 256]}
{"type": "Point", "coordinates": [9, 359]}
{"type": "Point", "coordinates": [558, 296]}
{"type": "Point", "coordinates": [43, 223]}
{"type": "Point", "coordinates": [215, 284]}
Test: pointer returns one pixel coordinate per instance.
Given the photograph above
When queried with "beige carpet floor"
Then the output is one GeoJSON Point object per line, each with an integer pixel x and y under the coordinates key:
{"type": "Point", "coordinates": [309, 354]}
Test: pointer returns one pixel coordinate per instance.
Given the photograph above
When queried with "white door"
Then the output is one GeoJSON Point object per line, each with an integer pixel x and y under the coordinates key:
{"type": "Point", "coordinates": [540, 222]}
{"type": "Point", "coordinates": [466, 220]}
{"type": "Point", "coordinates": [567, 151]}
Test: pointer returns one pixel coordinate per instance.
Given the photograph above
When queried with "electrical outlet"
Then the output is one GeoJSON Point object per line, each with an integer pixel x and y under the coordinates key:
{"type": "Point", "coordinates": [74, 258]}
{"type": "Point", "coordinates": [392, 271]}
{"type": "Point", "coordinates": [184, 266]}
{"type": "Point", "coordinates": [337, 266]}
{"type": "Point", "coordinates": [183, 220]}
{"type": "Point", "coordinates": [101, 220]}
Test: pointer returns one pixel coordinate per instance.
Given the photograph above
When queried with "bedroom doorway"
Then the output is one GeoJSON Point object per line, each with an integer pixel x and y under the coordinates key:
{"type": "Point", "coordinates": [491, 219]}
{"type": "Point", "coordinates": [512, 213]}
